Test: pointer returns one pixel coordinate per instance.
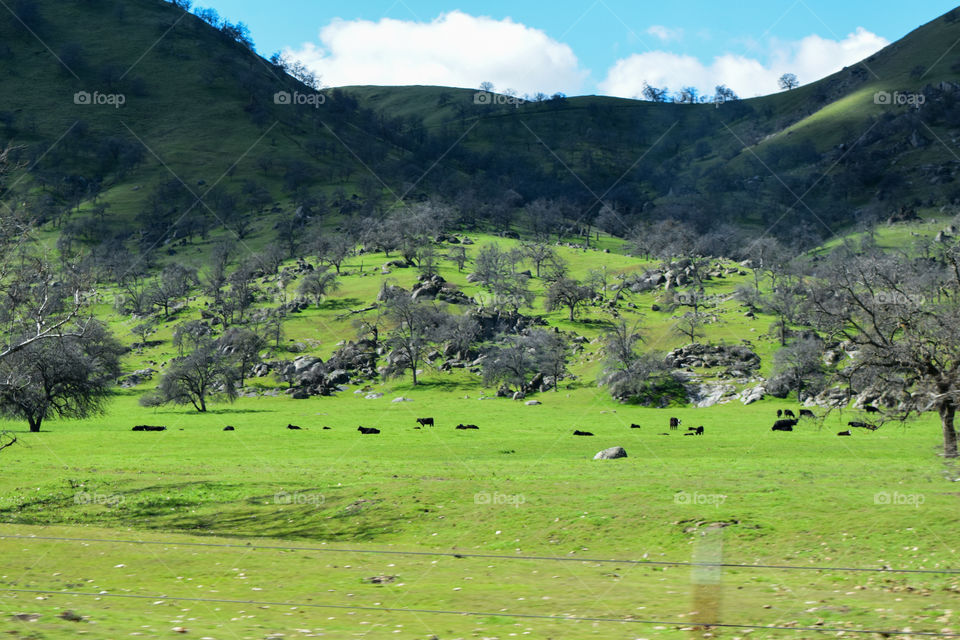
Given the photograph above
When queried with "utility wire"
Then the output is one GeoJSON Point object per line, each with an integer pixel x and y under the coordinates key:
{"type": "Point", "coordinates": [451, 554]}
{"type": "Point", "coordinates": [687, 623]}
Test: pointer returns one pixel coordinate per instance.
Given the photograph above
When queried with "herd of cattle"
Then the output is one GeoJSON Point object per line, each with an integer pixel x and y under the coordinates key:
{"type": "Point", "coordinates": [786, 421]}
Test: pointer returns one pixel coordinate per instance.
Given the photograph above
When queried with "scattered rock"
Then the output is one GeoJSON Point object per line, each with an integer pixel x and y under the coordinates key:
{"type": "Point", "coordinates": [611, 454]}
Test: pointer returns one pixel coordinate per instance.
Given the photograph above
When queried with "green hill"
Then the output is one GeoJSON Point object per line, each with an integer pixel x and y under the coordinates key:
{"type": "Point", "coordinates": [199, 110]}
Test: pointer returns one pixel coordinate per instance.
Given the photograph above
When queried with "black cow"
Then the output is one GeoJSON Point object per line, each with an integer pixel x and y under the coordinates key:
{"type": "Point", "coordinates": [674, 423]}
{"type": "Point", "coordinates": [229, 428]}
{"type": "Point", "coordinates": [806, 413]}
{"type": "Point", "coordinates": [789, 413]}
{"type": "Point", "coordinates": [634, 426]}
{"type": "Point", "coordinates": [147, 427]}
{"type": "Point", "coordinates": [467, 426]}
{"type": "Point", "coordinates": [783, 425]}
{"type": "Point", "coordinates": [425, 422]}
{"type": "Point", "coordinates": [368, 431]}
{"type": "Point", "coordinates": [294, 427]}
{"type": "Point", "coordinates": [779, 413]}
{"type": "Point", "coordinates": [869, 408]}
{"type": "Point", "coordinates": [582, 433]}
{"type": "Point", "coordinates": [326, 428]}
{"type": "Point", "coordinates": [844, 433]}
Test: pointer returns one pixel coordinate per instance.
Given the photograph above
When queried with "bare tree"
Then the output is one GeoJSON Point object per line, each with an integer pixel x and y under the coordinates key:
{"type": "Point", "coordinates": [552, 353]}
{"type": "Point", "coordinates": [800, 364]}
{"type": "Point", "coordinates": [243, 346]}
{"type": "Point", "coordinates": [568, 294]}
{"type": "Point", "coordinates": [902, 317]}
{"type": "Point", "coordinates": [333, 249]}
{"type": "Point", "coordinates": [318, 283]}
{"type": "Point", "coordinates": [690, 325]}
{"type": "Point", "coordinates": [458, 256]}
{"type": "Point", "coordinates": [173, 284]}
{"type": "Point", "coordinates": [538, 253]}
{"type": "Point", "coordinates": [788, 81]}
{"type": "Point", "coordinates": [634, 377]}
{"type": "Point", "coordinates": [512, 362]}
{"type": "Point", "coordinates": [69, 376]}
{"type": "Point", "coordinates": [195, 378]}
{"type": "Point", "coordinates": [416, 328]}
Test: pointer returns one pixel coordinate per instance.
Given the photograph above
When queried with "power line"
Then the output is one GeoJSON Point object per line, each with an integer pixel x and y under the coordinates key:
{"type": "Point", "coordinates": [450, 554]}
{"type": "Point", "coordinates": [685, 623]}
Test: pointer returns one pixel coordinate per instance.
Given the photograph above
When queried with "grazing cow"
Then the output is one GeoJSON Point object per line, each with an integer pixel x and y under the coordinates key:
{"type": "Point", "coordinates": [844, 433]}
{"type": "Point", "coordinates": [294, 427]}
{"type": "Point", "coordinates": [783, 425]}
{"type": "Point", "coordinates": [869, 408]}
{"type": "Point", "coordinates": [789, 413]}
{"type": "Point", "coordinates": [582, 433]}
{"type": "Point", "coordinates": [862, 425]}
{"type": "Point", "coordinates": [806, 413]}
{"type": "Point", "coordinates": [229, 428]}
{"type": "Point", "coordinates": [699, 430]}
{"type": "Point", "coordinates": [467, 426]}
{"type": "Point", "coordinates": [147, 427]}
{"type": "Point", "coordinates": [425, 422]}
{"type": "Point", "coordinates": [674, 423]}
{"type": "Point", "coordinates": [779, 413]}
{"type": "Point", "coordinates": [368, 431]}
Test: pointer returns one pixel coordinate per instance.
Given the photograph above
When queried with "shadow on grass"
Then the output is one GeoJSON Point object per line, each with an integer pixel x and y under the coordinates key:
{"type": "Point", "coordinates": [338, 304]}
{"type": "Point", "coordinates": [204, 508]}
{"type": "Point", "coordinates": [209, 412]}
{"type": "Point", "coordinates": [435, 385]}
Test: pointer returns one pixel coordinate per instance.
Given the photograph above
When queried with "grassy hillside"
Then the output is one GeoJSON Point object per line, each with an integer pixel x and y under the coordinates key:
{"type": "Point", "coordinates": [199, 107]}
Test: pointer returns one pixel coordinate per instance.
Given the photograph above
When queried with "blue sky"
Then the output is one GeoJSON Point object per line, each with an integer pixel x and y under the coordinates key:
{"type": "Point", "coordinates": [588, 46]}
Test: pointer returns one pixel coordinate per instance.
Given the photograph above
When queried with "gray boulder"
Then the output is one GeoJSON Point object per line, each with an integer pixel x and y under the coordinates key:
{"type": "Point", "coordinates": [611, 454]}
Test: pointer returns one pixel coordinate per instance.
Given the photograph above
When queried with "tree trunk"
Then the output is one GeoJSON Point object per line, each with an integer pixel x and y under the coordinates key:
{"type": "Point", "coordinates": [947, 413]}
{"type": "Point", "coordinates": [34, 424]}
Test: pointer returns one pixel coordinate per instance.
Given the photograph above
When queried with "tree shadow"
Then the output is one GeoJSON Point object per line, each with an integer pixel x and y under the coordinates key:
{"type": "Point", "coordinates": [338, 304]}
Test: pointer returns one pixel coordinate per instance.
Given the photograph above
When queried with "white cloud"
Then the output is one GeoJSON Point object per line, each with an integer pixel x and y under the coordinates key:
{"type": "Point", "coordinates": [665, 33]}
{"type": "Point", "coordinates": [810, 59]}
{"type": "Point", "coordinates": [455, 49]}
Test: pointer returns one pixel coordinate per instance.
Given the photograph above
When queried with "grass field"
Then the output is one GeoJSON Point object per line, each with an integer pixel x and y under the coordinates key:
{"type": "Point", "coordinates": [522, 485]}
{"type": "Point", "coordinates": [297, 518]}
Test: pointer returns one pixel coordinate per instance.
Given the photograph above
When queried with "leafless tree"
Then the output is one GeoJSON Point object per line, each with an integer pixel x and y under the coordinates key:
{"type": "Point", "coordinates": [69, 377]}
{"type": "Point", "coordinates": [568, 294]}
{"type": "Point", "coordinates": [902, 317]}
